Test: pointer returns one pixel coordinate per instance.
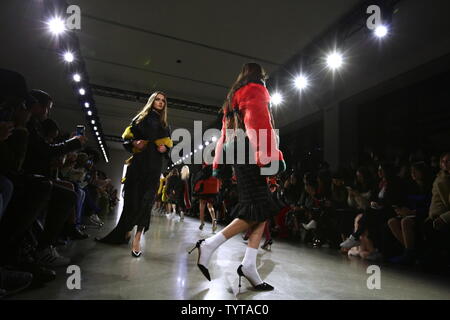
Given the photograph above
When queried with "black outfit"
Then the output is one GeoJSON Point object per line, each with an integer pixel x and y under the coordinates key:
{"type": "Point", "coordinates": [142, 178]}
{"type": "Point", "coordinates": [255, 200]}
{"type": "Point", "coordinates": [175, 190]}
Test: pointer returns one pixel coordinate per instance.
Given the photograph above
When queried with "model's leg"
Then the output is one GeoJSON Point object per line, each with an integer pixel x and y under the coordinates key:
{"type": "Point", "coordinates": [211, 244]}
{"type": "Point", "coordinates": [213, 216]}
{"type": "Point", "coordinates": [202, 213]}
{"type": "Point", "coordinates": [249, 261]}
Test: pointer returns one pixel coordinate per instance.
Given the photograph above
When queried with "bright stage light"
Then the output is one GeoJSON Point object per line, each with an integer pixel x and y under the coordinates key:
{"type": "Point", "coordinates": [76, 77]}
{"type": "Point", "coordinates": [68, 56]}
{"type": "Point", "coordinates": [301, 82]}
{"type": "Point", "coordinates": [93, 121]}
{"type": "Point", "coordinates": [82, 91]}
{"type": "Point", "coordinates": [56, 26]}
{"type": "Point", "coordinates": [200, 147]}
{"type": "Point", "coordinates": [89, 113]}
{"type": "Point", "coordinates": [206, 143]}
{"type": "Point", "coordinates": [276, 98]}
{"type": "Point", "coordinates": [334, 60]}
{"type": "Point", "coordinates": [381, 31]}
{"type": "Point", "coordinates": [86, 105]}
{"type": "Point", "coordinates": [95, 128]}
{"type": "Point", "coordinates": [214, 139]}
{"type": "Point", "coordinates": [97, 133]}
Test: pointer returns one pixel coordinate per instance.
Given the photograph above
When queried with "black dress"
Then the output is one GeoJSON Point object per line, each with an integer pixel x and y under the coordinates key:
{"type": "Point", "coordinates": [142, 178]}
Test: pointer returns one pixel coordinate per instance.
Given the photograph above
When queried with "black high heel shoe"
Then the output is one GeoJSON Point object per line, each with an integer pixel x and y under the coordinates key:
{"type": "Point", "coordinates": [202, 268]}
{"type": "Point", "coordinates": [267, 245]}
{"type": "Point", "coordinates": [136, 254]}
{"type": "Point", "coordinates": [260, 287]}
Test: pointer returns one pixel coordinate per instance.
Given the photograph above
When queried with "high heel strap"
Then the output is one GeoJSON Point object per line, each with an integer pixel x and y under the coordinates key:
{"type": "Point", "coordinates": [197, 245]}
{"type": "Point", "coordinates": [260, 287]}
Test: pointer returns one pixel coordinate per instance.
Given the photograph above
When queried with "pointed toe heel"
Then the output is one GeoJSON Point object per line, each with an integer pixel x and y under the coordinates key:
{"type": "Point", "coordinates": [202, 268]}
{"type": "Point", "coordinates": [260, 287]}
{"type": "Point", "coordinates": [136, 254]}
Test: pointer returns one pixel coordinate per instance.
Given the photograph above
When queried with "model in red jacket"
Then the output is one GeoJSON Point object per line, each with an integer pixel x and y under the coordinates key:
{"type": "Point", "coordinates": [246, 108]}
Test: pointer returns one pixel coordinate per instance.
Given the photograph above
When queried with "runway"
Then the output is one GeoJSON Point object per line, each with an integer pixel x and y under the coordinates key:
{"type": "Point", "coordinates": [166, 271]}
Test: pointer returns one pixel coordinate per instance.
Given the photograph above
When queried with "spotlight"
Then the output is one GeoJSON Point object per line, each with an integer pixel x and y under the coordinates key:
{"type": "Point", "coordinates": [206, 143]}
{"type": "Point", "coordinates": [195, 150]}
{"type": "Point", "coordinates": [56, 26]}
{"type": "Point", "coordinates": [381, 31]}
{"type": "Point", "coordinates": [334, 60]}
{"type": "Point", "coordinates": [89, 113]}
{"type": "Point", "coordinates": [97, 133]}
{"type": "Point", "coordinates": [214, 139]}
{"type": "Point", "coordinates": [99, 139]}
{"type": "Point", "coordinates": [200, 147]}
{"type": "Point", "coordinates": [68, 56]}
{"type": "Point", "coordinates": [86, 105]}
{"type": "Point", "coordinates": [276, 98]}
{"type": "Point", "coordinates": [301, 82]}
{"type": "Point", "coordinates": [95, 128]}
{"type": "Point", "coordinates": [191, 153]}
{"type": "Point", "coordinates": [93, 121]}
{"type": "Point", "coordinates": [76, 77]}
{"type": "Point", "coordinates": [82, 91]}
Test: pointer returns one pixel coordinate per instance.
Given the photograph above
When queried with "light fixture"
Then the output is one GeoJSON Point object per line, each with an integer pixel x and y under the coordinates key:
{"type": "Point", "coordinates": [381, 31]}
{"type": "Point", "coordinates": [76, 77]}
{"type": "Point", "coordinates": [93, 121]}
{"type": "Point", "coordinates": [95, 128]}
{"type": "Point", "coordinates": [334, 60]}
{"type": "Point", "coordinates": [214, 139]}
{"type": "Point", "coordinates": [276, 98]}
{"type": "Point", "coordinates": [301, 82]}
{"type": "Point", "coordinates": [87, 105]}
{"type": "Point", "coordinates": [56, 25]}
{"type": "Point", "coordinates": [200, 147]}
{"type": "Point", "coordinates": [68, 57]}
{"type": "Point", "coordinates": [206, 143]}
{"type": "Point", "coordinates": [82, 91]}
{"type": "Point", "coordinates": [97, 133]}
{"type": "Point", "coordinates": [89, 113]}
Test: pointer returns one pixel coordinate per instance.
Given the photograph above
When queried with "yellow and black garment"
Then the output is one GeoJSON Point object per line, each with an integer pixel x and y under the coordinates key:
{"type": "Point", "coordinates": [149, 130]}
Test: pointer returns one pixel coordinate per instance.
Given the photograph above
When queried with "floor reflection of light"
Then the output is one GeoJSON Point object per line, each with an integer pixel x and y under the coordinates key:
{"type": "Point", "coordinates": [120, 206]}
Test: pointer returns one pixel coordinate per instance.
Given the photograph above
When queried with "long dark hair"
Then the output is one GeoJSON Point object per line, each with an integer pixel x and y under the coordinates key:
{"type": "Point", "coordinates": [251, 72]}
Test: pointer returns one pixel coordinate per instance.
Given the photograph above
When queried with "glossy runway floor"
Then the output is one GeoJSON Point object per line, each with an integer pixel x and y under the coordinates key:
{"type": "Point", "coordinates": [166, 272]}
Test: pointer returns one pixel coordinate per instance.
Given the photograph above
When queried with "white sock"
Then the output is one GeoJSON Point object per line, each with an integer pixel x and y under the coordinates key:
{"type": "Point", "coordinates": [209, 246]}
{"type": "Point", "coordinates": [249, 266]}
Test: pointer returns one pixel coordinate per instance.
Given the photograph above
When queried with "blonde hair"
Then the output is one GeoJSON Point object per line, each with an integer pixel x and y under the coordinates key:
{"type": "Point", "coordinates": [149, 106]}
{"type": "Point", "coordinates": [185, 173]}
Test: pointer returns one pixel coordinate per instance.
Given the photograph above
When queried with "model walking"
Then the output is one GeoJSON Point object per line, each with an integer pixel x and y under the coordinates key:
{"type": "Point", "coordinates": [148, 138]}
{"type": "Point", "coordinates": [246, 107]}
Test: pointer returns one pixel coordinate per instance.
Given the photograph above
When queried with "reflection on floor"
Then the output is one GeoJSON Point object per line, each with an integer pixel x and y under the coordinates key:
{"type": "Point", "coordinates": [166, 272]}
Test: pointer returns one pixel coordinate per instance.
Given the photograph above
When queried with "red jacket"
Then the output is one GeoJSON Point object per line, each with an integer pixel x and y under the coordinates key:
{"type": "Point", "coordinates": [252, 101]}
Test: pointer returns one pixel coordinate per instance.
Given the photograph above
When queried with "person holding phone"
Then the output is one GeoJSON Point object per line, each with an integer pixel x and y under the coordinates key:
{"type": "Point", "coordinates": [148, 139]}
